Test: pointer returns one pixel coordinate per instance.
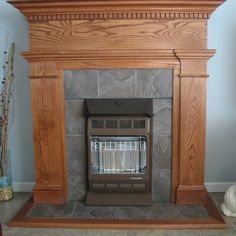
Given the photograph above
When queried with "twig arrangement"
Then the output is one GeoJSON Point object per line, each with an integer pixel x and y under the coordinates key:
{"type": "Point", "coordinates": [5, 98]}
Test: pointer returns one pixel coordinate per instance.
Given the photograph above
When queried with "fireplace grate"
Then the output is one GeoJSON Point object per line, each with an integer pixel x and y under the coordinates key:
{"type": "Point", "coordinates": [118, 155]}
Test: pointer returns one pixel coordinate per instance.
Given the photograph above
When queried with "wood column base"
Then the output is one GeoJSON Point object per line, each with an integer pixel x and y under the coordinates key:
{"type": "Point", "coordinates": [194, 194]}
{"type": "Point", "coordinates": [48, 194]}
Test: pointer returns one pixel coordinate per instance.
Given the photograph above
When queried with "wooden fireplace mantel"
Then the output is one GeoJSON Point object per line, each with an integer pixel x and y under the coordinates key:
{"type": "Point", "coordinates": [118, 34]}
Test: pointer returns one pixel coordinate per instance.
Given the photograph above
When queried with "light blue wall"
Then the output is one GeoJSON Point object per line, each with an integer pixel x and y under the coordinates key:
{"type": "Point", "coordinates": [14, 28]}
{"type": "Point", "coordinates": [221, 108]}
{"type": "Point", "coordinates": [221, 114]}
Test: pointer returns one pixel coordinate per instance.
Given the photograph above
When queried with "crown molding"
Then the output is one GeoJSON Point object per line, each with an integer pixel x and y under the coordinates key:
{"type": "Point", "coordinates": [195, 54]}
{"type": "Point", "coordinates": [59, 56]}
{"type": "Point", "coordinates": [38, 10]}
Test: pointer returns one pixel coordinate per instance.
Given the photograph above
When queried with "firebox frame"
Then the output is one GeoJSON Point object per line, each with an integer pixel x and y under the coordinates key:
{"type": "Point", "coordinates": [120, 198]}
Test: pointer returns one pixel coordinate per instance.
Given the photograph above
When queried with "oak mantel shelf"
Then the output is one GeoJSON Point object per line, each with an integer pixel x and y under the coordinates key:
{"type": "Point", "coordinates": [36, 10]}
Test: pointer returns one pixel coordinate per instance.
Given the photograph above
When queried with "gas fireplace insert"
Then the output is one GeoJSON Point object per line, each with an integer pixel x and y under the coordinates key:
{"type": "Point", "coordinates": [118, 151]}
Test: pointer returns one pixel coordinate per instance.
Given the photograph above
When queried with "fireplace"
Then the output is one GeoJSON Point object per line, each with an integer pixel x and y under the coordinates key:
{"type": "Point", "coordinates": [93, 36]}
{"type": "Point", "coordinates": [119, 151]}
{"type": "Point", "coordinates": [98, 34]}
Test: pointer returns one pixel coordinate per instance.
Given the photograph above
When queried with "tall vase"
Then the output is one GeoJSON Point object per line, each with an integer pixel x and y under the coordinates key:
{"type": "Point", "coordinates": [5, 188]}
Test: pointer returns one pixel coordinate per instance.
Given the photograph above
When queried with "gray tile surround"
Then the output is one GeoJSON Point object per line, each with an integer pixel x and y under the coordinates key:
{"type": "Point", "coordinates": [128, 83]}
{"type": "Point", "coordinates": [74, 118]}
{"type": "Point", "coordinates": [81, 83]}
{"type": "Point", "coordinates": [154, 83]}
{"type": "Point", "coordinates": [162, 109]}
{"type": "Point", "coordinates": [162, 151]}
{"type": "Point", "coordinates": [161, 184]}
{"type": "Point", "coordinates": [116, 83]}
{"type": "Point", "coordinates": [77, 177]}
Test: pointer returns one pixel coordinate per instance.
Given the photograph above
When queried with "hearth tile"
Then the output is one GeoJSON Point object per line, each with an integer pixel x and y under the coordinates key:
{"type": "Point", "coordinates": [162, 151]}
{"type": "Point", "coordinates": [94, 212]}
{"type": "Point", "coordinates": [161, 185]}
{"type": "Point", "coordinates": [81, 83]}
{"type": "Point", "coordinates": [74, 116]}
{"type": "Point", "coordinates": [162, 121]}
{"type": "Point", "coordinates": [53, 210]}
{"type": "Point", "coordinates": [117, 83]}
{"type": "Point", "coordinates": [171, 210]}
{"type": "Point", "coordinates": [154, 83]}
{"type": "Point", "coordinates": [140, 212]}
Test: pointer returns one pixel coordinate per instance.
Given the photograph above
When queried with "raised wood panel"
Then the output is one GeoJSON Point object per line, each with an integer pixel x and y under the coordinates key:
{"type": "Point", "coordinates": [118, 34]}
{"type": "Point", "coordinates": [192, 143]}
{"type": "Point", "coordinates": [47, 128]}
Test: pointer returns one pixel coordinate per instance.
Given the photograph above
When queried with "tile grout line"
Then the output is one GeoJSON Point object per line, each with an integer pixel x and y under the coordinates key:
{"type": "Point", "coordinates": [135, 83]}
{"type": "Point", "coordinates": [154, 98]}
{"type": "Point", "coordinates": [73, 211]}
{"type": "Point", "coordinates": [98, 71]}
{"type": "Point", "coordinates": [117, 212]}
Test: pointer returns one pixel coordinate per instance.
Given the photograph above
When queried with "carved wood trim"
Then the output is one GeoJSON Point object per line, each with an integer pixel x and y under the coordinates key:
{"type": "Point", "coordinates": [42, 77]}
{"type": "Point", "coordinates": [124, 9]}
{"type": "Point", "coordinates": [193, 76]}
{"type": "Point", "coordinates": [195, 54]}
{"type": "Point", "coordinates": [118, 16]}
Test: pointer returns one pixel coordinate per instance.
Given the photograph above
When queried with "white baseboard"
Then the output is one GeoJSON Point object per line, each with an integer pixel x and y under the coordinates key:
{"type": "Point", "coordinates": [218, 187]}
{"type": "Point", "coordinates": [211, 186]}
{"type": "Point", "coordinates": [23, 186]}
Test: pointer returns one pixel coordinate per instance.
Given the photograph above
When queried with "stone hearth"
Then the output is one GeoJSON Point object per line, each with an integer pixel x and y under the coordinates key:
{"type": "Point", "coordinates": [79, 210]}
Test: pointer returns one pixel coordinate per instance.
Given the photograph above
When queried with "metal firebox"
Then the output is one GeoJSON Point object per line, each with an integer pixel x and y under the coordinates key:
{"type": "Point", "coordinates": [119, 151]}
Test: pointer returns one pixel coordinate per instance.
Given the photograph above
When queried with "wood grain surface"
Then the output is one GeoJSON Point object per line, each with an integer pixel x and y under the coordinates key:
{"type": "Point", "coordinates": [48, 131]}
{"type": "Point", "coordinates": [118, 34]}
